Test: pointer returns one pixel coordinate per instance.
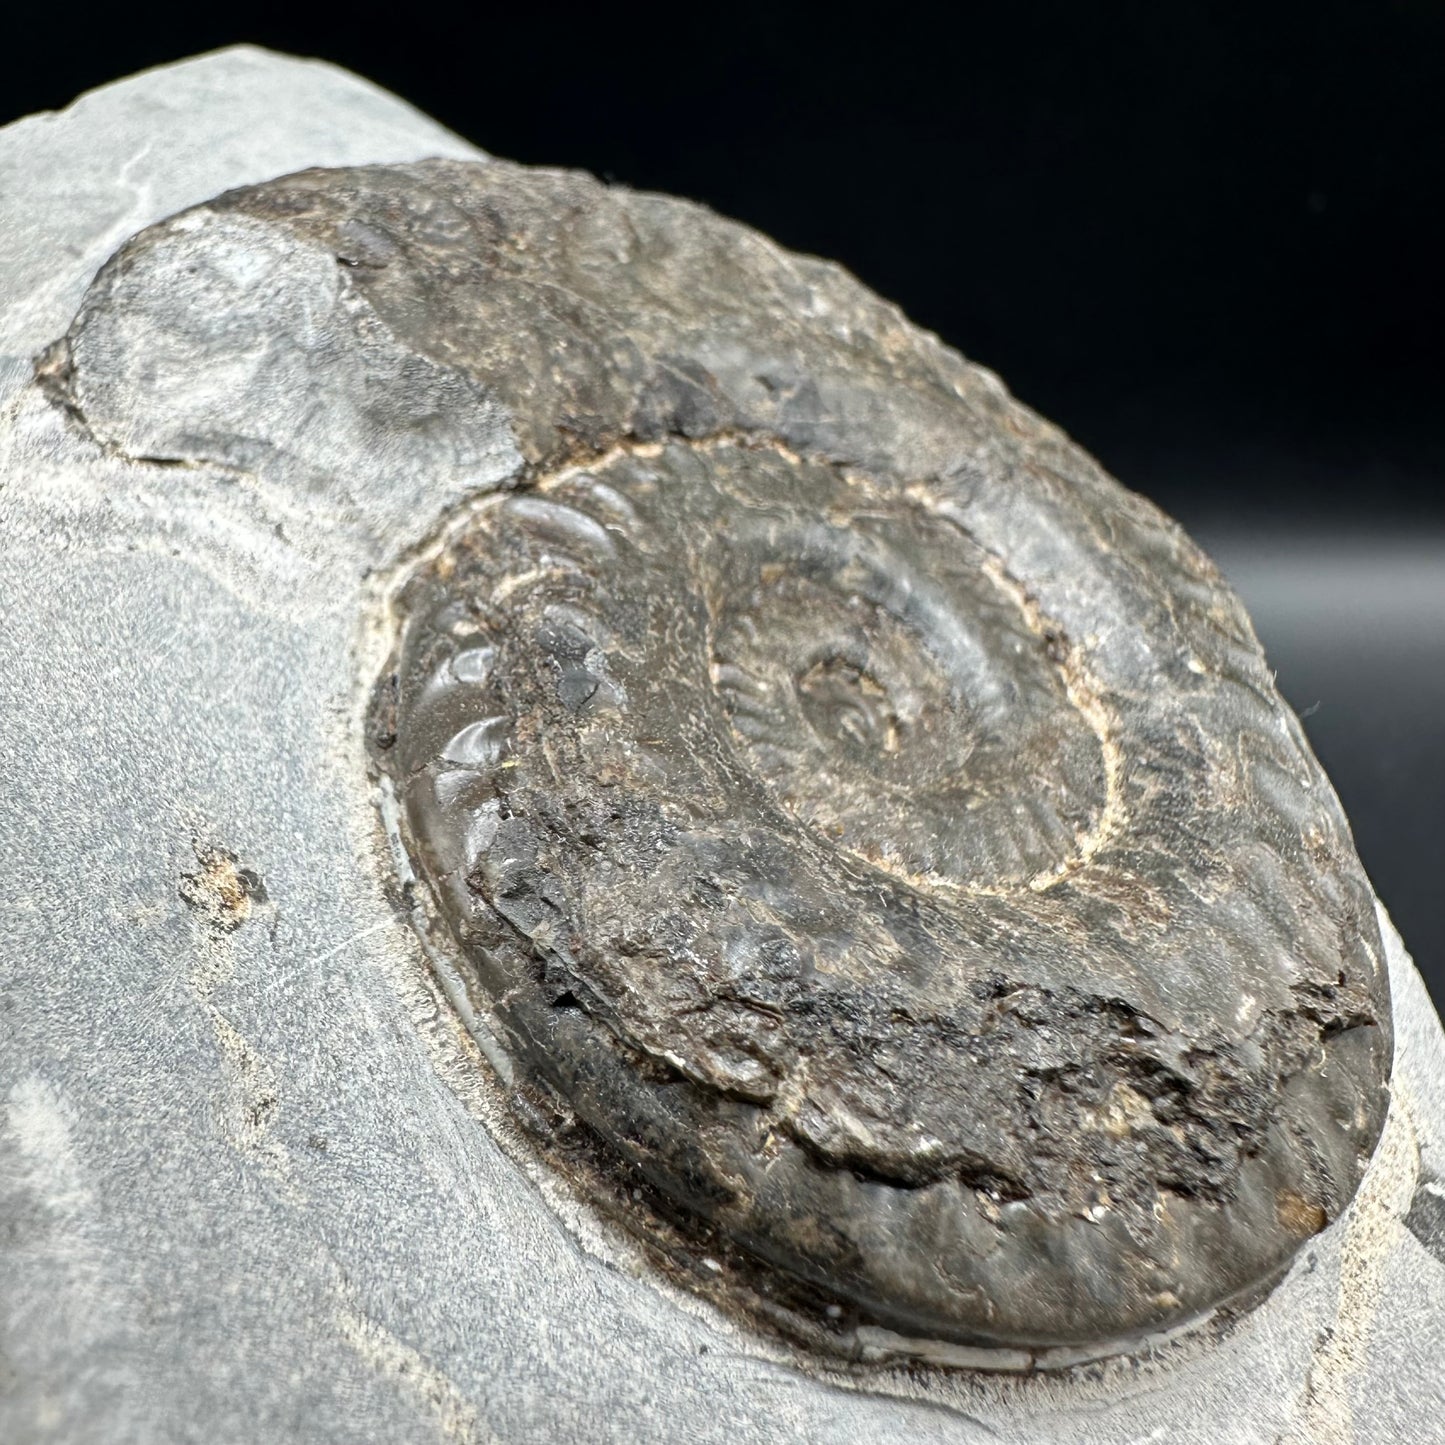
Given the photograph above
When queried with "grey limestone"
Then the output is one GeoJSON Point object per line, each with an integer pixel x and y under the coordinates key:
{"type": "Point", "coordinates": [262, 1175]}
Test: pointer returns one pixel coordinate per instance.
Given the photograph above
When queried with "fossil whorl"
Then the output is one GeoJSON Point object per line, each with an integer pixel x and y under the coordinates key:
{"type": "Point", "coordinates": [879, 828]}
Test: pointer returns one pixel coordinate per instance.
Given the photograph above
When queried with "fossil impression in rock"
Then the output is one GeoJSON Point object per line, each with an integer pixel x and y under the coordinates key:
{"type": "Point", "coordinates": [875, 833]}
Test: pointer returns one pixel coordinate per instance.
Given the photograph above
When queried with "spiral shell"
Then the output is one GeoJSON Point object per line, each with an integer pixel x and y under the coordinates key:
{"type": "Point", "coordinates": [874, 828]}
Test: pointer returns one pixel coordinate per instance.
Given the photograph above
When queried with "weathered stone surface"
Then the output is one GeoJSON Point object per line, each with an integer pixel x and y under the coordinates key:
{"type": "Point", "coordinates": [255, 1179]}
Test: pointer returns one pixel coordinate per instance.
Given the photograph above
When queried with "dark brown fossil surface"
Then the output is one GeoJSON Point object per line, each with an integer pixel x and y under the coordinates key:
{"type": "Point", "coordinates": [876, 826]}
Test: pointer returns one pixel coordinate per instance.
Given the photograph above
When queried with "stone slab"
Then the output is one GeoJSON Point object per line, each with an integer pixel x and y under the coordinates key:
{"type": "Point", "coordinates": [255, 1182]}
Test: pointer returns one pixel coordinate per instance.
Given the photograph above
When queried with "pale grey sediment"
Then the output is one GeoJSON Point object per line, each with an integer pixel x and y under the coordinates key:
{"type": "Point", "coordinates": [255, 1179]}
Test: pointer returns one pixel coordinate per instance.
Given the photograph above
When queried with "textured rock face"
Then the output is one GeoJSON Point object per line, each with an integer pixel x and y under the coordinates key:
{"type": "Point", "coordinates": [257, 1179]}
{"type": "Point", "coordinates": [875, 826]}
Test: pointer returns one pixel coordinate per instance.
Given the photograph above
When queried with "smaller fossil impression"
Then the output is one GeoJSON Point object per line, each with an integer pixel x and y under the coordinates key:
{"type": "Point", "coordinates": [872, 829]}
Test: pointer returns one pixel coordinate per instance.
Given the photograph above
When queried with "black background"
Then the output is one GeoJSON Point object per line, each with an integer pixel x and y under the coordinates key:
{"type": "Point", "coordinates": [1205, 239]}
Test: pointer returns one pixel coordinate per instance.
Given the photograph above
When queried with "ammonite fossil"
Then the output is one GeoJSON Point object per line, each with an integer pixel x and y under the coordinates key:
{"type": "Point", "coordinates": [874, 829]}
